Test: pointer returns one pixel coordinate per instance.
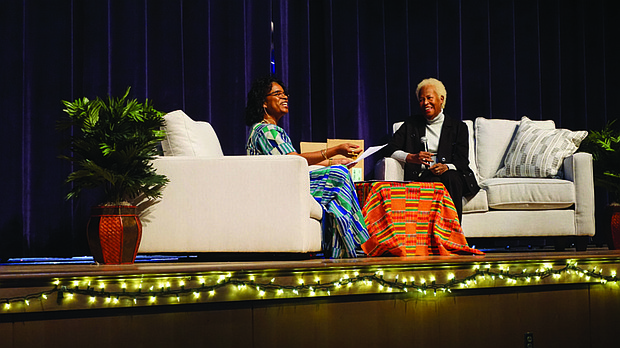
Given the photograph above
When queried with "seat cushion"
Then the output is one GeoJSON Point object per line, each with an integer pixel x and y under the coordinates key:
{"type": "Point", "coordinates": [529, 193]}
{"type": "Point", "coordinates": [316, 210]}
{"type": "Point", "coordinates": [476, 204]}
{"type": "Point", "coordinates": [537, 152]}
{"type": "Point", "coordinates": [186, 137]}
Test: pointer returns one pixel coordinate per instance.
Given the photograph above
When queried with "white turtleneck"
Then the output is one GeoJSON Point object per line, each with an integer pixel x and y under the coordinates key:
{"type": "Point", "coordinates": [433, 132]}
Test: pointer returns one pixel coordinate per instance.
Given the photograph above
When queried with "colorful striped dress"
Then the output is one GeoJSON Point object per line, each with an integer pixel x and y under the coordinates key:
{"type": "Point", "coordinates": [344, 229]}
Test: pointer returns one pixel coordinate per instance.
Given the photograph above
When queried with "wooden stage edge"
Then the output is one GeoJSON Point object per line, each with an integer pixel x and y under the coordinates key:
{"type": "Point", "coordinates": [37, 288]}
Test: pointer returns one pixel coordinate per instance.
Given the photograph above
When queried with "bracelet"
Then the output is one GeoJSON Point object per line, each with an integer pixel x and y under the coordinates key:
{"type": "Point", "coordinates": [323, 153]}
{"type": "Point", "coordinates": [330, 161]}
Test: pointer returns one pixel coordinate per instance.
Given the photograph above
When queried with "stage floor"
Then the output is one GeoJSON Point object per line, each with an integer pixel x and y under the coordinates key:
{"type": "Point", "coordinates": [28, 268]}
{"type": "Point", "coordinates": [265, 302]}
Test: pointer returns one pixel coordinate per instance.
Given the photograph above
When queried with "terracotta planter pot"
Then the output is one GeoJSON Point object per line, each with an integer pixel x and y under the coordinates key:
{"type": "Point", "coordinates": [114, 234]}
{"type": "Point", "coordinates": [615, 226]}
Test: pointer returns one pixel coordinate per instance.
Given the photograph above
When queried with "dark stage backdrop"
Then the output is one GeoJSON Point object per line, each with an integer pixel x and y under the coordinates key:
{"type": "Point", "coordinates": [351, 67]}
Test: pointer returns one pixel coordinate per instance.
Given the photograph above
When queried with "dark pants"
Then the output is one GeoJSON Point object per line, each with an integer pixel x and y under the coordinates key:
{"type": "Point", "coordinates": [453, 181]}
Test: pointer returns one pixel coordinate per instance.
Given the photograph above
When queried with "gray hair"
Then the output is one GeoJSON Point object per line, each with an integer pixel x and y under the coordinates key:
{"type": "Point", "coordinates": [439, 88]}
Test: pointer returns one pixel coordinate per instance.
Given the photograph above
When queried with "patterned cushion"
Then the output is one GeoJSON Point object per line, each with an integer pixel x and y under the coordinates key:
{"type": "Point", "coordinates": [539, 153]}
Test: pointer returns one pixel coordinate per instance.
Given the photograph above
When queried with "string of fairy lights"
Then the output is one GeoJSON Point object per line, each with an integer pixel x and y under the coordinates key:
{"type": "Point", "coordinates": [179, 289]}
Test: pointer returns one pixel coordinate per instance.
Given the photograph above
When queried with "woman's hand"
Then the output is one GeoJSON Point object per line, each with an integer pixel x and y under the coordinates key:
{"type": "Point", "coordinates": [348, 150]}
{"type": "Point", "coordinates": [324, 157]}
{"type": "Point", "coordinates": [438, 168]}
{"type": "Point", "coordinates": [342, 161]}
{"type": "Point", "coordinates": [421, 157]}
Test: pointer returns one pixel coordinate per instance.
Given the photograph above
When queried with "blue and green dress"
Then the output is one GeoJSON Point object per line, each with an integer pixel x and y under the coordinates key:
{"type": "Point", "coordinates": [344, 230]}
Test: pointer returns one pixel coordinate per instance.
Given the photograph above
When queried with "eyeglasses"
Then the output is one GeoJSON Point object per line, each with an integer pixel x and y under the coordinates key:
{"type": "Point", "coordinates": [278, 94]}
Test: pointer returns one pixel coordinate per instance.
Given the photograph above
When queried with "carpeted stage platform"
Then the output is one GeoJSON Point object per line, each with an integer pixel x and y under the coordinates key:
{"type": "Point", "coordinates": [566, 299]}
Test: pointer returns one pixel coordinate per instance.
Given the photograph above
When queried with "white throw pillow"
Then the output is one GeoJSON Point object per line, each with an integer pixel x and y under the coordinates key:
{"type": "Point", "coordinates": [493, 138]}
{"type": "Point", "coordinates": [537, 152]}
{"type": "Point", "coordinates": [186, 137]}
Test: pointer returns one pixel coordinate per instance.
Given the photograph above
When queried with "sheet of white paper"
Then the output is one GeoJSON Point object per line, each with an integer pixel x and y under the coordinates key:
{"type": "Point", "coordinates": [369, 151]}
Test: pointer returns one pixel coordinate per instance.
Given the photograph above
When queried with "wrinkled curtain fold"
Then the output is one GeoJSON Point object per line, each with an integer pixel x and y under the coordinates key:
{"type": "Point", "coordinates": [351, 66]}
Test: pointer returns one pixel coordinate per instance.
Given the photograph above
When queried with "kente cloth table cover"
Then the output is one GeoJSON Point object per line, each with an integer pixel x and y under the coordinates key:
{"type": "Point", "coordinates": [410, 218]}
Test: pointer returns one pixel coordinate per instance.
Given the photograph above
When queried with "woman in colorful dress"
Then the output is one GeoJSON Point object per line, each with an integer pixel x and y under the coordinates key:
{"type": "Point", "coordinates": [344, 227]}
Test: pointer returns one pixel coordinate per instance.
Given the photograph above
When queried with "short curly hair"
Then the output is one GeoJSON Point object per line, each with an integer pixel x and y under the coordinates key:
{"type": "Point", "coordinates": [439, 88]}
{"type": "Point", "coordinates": [254, 111]}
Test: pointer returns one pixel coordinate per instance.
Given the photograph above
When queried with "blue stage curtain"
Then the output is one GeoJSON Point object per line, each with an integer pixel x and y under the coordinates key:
{"type": "Point", "coordinates": [198, 56]}
{"type": "Point", "coordinates": [352, 67]}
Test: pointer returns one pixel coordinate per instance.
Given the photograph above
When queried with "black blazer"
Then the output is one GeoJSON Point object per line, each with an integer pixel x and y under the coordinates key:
{"type": "Point", "coordinates": [453, 148]}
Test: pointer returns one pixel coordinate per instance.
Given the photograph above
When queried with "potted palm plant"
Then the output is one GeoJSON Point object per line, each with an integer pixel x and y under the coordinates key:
{"type": "Point", "coordinates": [112, 147]}
{"type": "Point", "coordinates": [604, 145]}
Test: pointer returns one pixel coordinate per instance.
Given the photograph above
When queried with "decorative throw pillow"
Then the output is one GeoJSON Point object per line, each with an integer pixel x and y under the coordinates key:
{"type": "Point", "coordinates": [539, 153]}
{"type": "Point", "coordinates": [186, 137]}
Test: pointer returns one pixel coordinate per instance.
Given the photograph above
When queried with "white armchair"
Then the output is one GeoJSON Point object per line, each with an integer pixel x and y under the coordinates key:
{"type": "Point", "coordinates": [217, 203]}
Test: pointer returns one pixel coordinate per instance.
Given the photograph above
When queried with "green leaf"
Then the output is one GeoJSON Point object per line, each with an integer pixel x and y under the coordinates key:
{"type": "Point", "coordinates": [113, 145]}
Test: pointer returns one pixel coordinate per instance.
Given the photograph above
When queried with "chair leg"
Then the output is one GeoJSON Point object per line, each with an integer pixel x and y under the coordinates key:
{"type": "Point", "coordinates": [560, 243]}
{"type": "Point", "coordinates": [581, 243]}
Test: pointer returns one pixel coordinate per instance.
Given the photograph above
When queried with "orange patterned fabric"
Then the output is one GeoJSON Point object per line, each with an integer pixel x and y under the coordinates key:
{"type": "Point", "coordinates": [414, 218]}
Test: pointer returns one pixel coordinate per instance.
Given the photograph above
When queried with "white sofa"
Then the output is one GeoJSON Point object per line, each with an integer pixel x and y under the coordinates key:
{"type": "Point", "coordinates": [517, 206]}
{"type": "Point", "coordinates": [217, 203]}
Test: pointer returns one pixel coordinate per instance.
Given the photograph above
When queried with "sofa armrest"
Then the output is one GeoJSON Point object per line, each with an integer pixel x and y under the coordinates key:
{"type": "Point", "coordinates": [578, 169]}
{"type": "Point", "coordinates": [389, 169]}
{"type": "Point", "coordinates": [231, 203]}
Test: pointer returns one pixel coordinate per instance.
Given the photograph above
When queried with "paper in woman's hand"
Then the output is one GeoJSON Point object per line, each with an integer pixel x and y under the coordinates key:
{"type": "Point", "coordinates": [371, 150]}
